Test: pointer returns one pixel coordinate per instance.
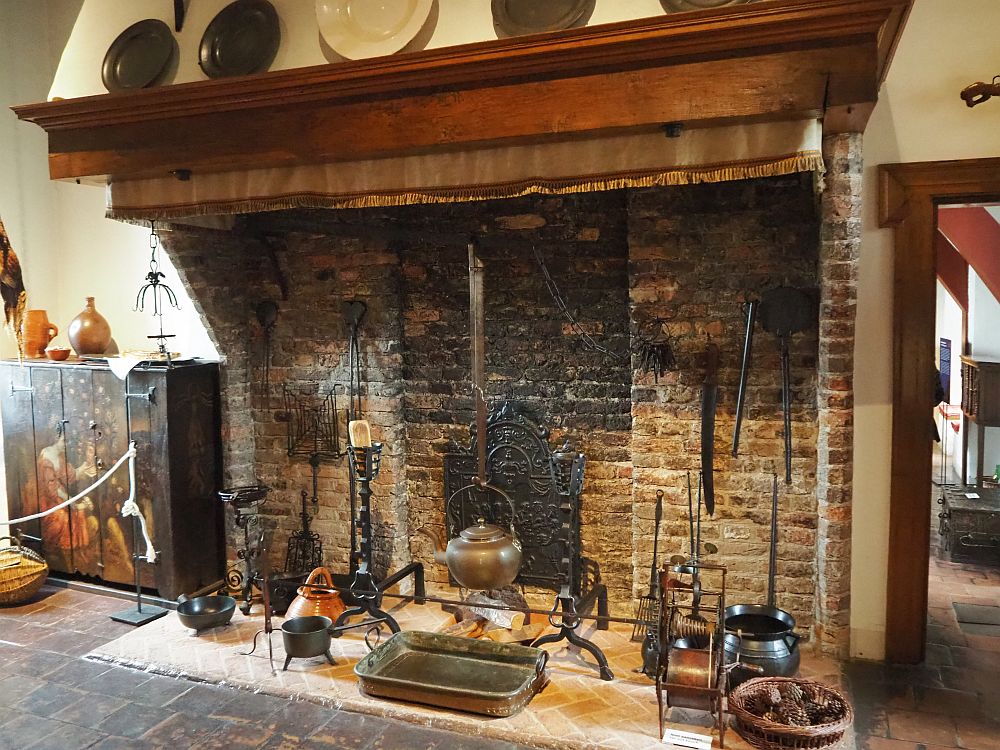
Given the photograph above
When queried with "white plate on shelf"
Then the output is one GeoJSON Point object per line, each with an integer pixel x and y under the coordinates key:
{"type": "Point", "coordinates": [359, 29]}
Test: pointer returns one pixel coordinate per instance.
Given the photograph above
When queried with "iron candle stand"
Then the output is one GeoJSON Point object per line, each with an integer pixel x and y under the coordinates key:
{"type": "Point", "coordinates": [246, 502]}
{"type": "Point", "coordinates": [365, 463]}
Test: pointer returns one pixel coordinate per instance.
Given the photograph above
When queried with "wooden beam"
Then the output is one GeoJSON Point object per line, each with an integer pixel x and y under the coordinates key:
{"type": "Point", "coordinates": [790, 84]}
{"type": "Point", "coordinates": [908, 199]}
{"type": "Point", "coordinates": [778, 58]}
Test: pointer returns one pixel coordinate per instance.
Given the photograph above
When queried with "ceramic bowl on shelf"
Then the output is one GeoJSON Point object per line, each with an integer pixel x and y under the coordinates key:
{"type": "Point", "coordinates": [57, 353]}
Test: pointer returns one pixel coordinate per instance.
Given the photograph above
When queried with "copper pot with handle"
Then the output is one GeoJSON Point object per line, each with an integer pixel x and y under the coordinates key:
{"type": "Point", "coordinates": [312, 602]}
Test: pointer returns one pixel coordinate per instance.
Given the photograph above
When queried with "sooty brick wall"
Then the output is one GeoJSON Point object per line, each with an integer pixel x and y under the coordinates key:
{"type": "Point", "coordinates": [690, 255]}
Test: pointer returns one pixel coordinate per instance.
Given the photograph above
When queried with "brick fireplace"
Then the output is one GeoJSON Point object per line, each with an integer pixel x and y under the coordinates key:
{"type": "Point", "coordinates": [688, 254]}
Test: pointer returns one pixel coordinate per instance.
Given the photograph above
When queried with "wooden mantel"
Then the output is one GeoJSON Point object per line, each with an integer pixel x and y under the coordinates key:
{"type": "Point", "coordinates": [766, 60]}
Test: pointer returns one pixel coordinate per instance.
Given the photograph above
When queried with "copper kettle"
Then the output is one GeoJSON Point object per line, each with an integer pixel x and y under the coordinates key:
{"type": "Point", "coordinates": [316, 602]}
{"type": "Point", "coordinates": [481, 557]}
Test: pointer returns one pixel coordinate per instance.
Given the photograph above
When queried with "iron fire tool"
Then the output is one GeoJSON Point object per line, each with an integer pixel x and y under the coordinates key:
{"type": "Point", "coordinates": [649, 605]}
{"type": "Point", "coordinates": [783, 311]}
{"type": "Point", "coordinates": [766, 641]}
{"type": "Point", "coordinates": [646, 612]}
{"type": "Point", "coordinates": [709, 401]}
{"type": "Point", "coordinates": [751, 308]}
{"type": "Point", "coordinates": [365, 462]}
{"type": "Point", "coordinates": [267, 316]}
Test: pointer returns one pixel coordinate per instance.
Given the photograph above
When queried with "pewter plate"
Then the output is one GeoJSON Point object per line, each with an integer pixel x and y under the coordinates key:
{"type": "Point", "coordinates": [242, 39]}
{"type": "Point", "coordinates": [465, 674]}
{"type": "Point", "coordinates": [679, 6]}
{"type": "Point", "coordinates": [518, 17]}
{"type": "Point", "coordinates": [138, 57]}
{"type": "Point", "coordinates": [359, 29]}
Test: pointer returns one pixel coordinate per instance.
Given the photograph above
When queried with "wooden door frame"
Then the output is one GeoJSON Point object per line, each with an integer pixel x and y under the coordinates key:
{"type": "Point", "coordinates": [909, 195]}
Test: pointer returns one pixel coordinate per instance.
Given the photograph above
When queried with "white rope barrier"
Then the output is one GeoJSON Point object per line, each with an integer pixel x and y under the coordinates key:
{"type": "Point", "coordinates": [130, 508]}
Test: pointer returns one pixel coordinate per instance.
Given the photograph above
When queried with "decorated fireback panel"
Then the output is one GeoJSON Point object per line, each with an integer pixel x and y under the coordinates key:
{"type": "Point", "coordinates": [518, 461]}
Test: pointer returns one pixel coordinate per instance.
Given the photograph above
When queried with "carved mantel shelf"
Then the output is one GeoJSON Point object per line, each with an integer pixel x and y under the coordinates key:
{"type": "Point", "coordinates": [767, 60]}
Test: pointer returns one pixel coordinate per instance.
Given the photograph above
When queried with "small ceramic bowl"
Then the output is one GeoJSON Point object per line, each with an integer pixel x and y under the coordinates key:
{"type": "Point", "coordinates": [57, 354]}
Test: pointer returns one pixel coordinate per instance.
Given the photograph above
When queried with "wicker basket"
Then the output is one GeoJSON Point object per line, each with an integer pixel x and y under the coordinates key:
{"type": "Point", "coordinates": [771, 735]}
{"type": "Point", "coordinates": [22, 571]}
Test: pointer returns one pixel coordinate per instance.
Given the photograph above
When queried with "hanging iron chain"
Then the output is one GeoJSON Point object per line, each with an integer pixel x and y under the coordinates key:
{"type": "Point", "coordinates": [557, 297]}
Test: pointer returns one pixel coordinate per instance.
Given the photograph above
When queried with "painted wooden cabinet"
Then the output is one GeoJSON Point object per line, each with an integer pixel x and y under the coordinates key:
{"type": "Point", "coordinates": [65, 426]}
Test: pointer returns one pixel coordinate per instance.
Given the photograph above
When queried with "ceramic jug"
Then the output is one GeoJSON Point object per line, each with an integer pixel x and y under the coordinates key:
{"type": "Point", "coordinates": [89, 332]}
{"type": "Point", "coordinates": [37, 332]}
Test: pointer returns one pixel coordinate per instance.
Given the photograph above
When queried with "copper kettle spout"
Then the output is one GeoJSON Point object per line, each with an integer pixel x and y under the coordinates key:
{"type": "Point", "coordinates": [436, 536]}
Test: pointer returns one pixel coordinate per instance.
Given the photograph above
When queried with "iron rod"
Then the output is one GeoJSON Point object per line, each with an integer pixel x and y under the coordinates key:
{"type": "Point", "coordinates": [773, 561]}
{"type": "Point", "coordinates": [744, 374]}
{"type": "Point", "coordinates": [502, 607]}
{"type": "Point", "coordinates": [786, 404]}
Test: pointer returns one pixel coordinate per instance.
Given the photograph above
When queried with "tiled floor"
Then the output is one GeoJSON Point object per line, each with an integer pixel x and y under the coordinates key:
{"type": "Point", "coordinates": [51, 699]}
{"type": "Point", "coordinates": [953, 699]}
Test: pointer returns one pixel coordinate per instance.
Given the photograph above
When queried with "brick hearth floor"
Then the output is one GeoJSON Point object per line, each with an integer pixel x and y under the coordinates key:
{"type": "Point", "coordinates": [52, 697]}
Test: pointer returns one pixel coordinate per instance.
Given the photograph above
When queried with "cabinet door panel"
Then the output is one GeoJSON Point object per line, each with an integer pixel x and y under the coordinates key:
{"type": "Point", "coordinates": [152, 488]}
{"type": "Point", "coordinates": [19, 446]}
{"type": "Point", "coordinates": [111, 442]}
{"type": "Point", "coordinates": [67, 528]}
{"type": "Point", "coordinates": [81, 459]}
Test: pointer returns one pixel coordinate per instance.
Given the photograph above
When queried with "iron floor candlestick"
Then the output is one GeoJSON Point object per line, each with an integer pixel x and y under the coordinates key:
{"type": "Point", "coordinates": [365, 462]}
{"type": "Point", "coordinates": [139, 615]}
{"type": "Point", "coordinates": [246, 502]}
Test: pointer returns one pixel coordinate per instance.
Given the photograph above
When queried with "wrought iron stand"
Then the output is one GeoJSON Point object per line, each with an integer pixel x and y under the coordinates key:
{"type": "Point", "coordinates": [568, 467]}
{"type": "Point", "coordinates": [246, 502]}
{"type": "Point", "coordinates": [365, 463]}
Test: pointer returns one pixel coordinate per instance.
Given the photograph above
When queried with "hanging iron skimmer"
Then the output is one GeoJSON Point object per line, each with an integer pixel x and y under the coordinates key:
{"type": "Point", "coordinates": [154, 282]}
{"type": "Point", "coordinates": [785, 311]}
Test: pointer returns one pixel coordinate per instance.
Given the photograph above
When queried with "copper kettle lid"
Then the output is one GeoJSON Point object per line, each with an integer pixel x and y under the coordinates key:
{"type": "Point", "coordinates": [483, 532]}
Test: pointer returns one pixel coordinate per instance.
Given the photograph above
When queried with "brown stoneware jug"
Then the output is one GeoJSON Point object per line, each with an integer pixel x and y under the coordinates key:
{"type": "Point", "coordinates": [89, 332]}
{"type": "Point", "coordinates": [315, 602]}
{"type": "Point", "coordinates": [37, 333]}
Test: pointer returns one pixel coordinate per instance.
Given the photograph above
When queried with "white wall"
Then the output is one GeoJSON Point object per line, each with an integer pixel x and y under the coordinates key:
{"type": "Point", "coordinates": [948, 324]}
{"type": "Point", "coordinates": [67, 248]}
{"type": "Point", "coordinates": [984, 343]}
{"type": "Point", "coordinates": [108, 260]}
{"type": "Point", "coordinates": [451, 22]}
{"type": "Point", "coordinates": [919, 117]}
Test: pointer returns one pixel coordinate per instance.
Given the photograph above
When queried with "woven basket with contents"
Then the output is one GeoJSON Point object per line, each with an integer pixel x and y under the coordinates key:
{"type": "Point", "coordinates": [22, 571]}
{"type": "Point", "coordinates": [777, 713]}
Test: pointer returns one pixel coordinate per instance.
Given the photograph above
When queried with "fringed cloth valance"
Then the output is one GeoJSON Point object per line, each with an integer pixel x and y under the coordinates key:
{"type": "Point", "coordinates": [602, 163]}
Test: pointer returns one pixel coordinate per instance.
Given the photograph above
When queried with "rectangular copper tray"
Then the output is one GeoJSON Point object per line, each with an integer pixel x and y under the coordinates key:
{"type": "Point", "coordinates": [465, 674]}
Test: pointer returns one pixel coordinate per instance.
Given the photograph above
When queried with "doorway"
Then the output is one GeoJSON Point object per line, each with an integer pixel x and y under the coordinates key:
{"type": "Point", "coordinates": [909, 198]}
